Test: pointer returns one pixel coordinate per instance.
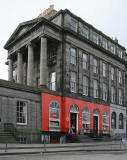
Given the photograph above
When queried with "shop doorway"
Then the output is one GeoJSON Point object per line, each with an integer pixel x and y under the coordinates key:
{"type": "Point", "coordinates": [95, 124]}
{"type": "Point", "coordinates": [74, 119]}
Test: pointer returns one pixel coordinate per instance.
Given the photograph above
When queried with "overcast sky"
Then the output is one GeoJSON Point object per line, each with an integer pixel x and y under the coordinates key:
{"type": "Point", "coordinates": [109, 16]}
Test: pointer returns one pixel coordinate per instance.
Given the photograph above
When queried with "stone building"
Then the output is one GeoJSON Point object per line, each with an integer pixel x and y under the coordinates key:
{"type": "Point", "coordinates": [81, 73]}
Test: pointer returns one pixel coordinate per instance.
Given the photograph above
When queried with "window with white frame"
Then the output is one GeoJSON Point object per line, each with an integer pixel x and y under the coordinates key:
{"type": "Point", "coordinates": [85, 32]}
{"type": "Point", "coordinates": [21, 112]}
{"type": "Point", "coordinates": [73, 82]}
{"type": "Point", "coordinates": [73, 25]}
{"type": "Point", "coordinates": [104, 69]}
{"type": "Point", "coordinates": [112, 94]}
{"type": "Point", "coordinates": [113, 120]}
{"type": "Point", "coordinates": [104, 44]}
{"type": "Point", "coordinates": [105, 122]}
{"type": "Point", "coordinates": [95, 88]}
{"type": "Point", "coordinates": [121, 121]}
{"type": "Point", "coordinates": [104, 92]}
{"type": "Point", "coordinates": [52, 83]}
{"type": "Point", "coordinates": [112, 49]}
{"type": "Point", "coordinates": [120, 96]}
{"type": "Point", "coordinates": [95, 65]}
{"type": "Point", "coordinates": [95, 39]}
{"type": "Point", "coordinates": [84, 60]}
{"type": "Point", "coordinates": [86, 119]}
{"type": "Point", "coordinates": [73, 56]}
{"type": "Point", "coordinates": [112, 73]}
{"type": "Point", "coordinates": [119, 76]}
{"type": "Point", "coordinates": [85, 85]}
{"type": "Point", "coordinates": [120, 53]}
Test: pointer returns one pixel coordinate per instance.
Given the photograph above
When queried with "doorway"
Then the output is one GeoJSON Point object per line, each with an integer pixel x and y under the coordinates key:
{"type": "Point", "coordinates": [95, 125]}
{"type": "Point", "coordinates": [73, 123]}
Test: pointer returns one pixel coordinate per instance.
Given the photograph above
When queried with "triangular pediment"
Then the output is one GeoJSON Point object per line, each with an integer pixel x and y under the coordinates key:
{"type": "Point", "coordinates": [20, 30]}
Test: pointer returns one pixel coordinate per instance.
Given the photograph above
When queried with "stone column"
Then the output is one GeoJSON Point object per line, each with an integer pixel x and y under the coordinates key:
{"type": "Point", "coordinates": [30, 65]}
{"type": "Point", "coordinates": [19, 67]}
{"type": "Point", "coordinates": [43, 62]}
{"type": "Point", "coordinates": [10, 70]}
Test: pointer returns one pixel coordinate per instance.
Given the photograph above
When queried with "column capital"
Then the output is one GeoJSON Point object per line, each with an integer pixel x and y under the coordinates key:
{"type": "Point", "coordinates": [42, 36]}
{"type": "Point", "coordinates": [18, 51]}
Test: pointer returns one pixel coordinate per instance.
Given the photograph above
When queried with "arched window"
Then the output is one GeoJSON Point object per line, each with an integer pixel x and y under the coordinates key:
{"type": "Point", "coordinates": [86, 119]}
{"type": "Point", "coordinates": [121, 121]}
{"type": "Point", "coordinates": [113, 120]}
{"type": "Point", "coordinates": [74, 109]}
{"type": "Point", "coordinates": [105, 122]}
{"type": "Point", "coordinates": [54, 116]}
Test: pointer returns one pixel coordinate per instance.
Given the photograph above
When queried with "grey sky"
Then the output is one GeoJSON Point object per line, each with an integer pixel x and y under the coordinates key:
{"type": "Point", "coordinates": [109, 16]}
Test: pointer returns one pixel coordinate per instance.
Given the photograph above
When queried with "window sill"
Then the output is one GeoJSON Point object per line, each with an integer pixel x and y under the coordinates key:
{"type": "Point", "coordinates": [21, 124]}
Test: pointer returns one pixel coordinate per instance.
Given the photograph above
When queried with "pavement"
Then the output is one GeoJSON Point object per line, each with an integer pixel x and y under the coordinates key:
{"type": "Point", "coordinates": [14, 149]}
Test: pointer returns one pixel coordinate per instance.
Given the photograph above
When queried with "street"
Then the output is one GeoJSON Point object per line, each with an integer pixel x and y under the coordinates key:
{"type": "Point", "coordinates": [70, 156]}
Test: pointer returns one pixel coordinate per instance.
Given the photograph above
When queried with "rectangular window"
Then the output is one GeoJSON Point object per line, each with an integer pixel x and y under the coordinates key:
{"type": "Point", "coordinates": [104, 92]}
{"type": "Point", "coordinates": [73, 25]}
{"type": "Point", "coordinates": [104, 44]}
{"type": "Point", "coordinates": [104, 69]}
{"type": "Point", "coordinates": [95, 88]}
{"type": "Point", "coordinates": [120, 96]}
{"type": "Point", "coordinates": [73, 56]}
{"type": "Point", "coordinates": [112, 49]}
{"type": "Point", "coordinates": [52, 83]}
{"type": "Point", "coordinates": [95, 66]}
{"type": "Point", "coordinates": [112, 73]}
{"type": "Point", "coordinates": [85, 60]}
{"type": "Point", "coordinates": [112, 94]}
{"type": "Point", "coordinates": [95, 39]}
{"type": "Point", "coordinates": [85, 32]}
{"type": "Point", "coordinates": [119, 77]}
{"type": "Point", "coordinates": [85, 85]}
{"type": "Point", "coordinates": [73, 82]}
{"type": "Point", "coordinates": [120, 54]}
{"type": "Point", "coordinates": [21, 112]}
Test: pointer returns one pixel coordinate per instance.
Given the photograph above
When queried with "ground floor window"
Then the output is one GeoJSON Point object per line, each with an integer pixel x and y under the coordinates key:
{"type": "Point", "coordinates": [121, 121]}
{"type": "Point", "coordinates": [113, 120]}
{"type": "Point", "coordinates": [21, 112]}
{"type": "Point", "coordinates": [54, 116]}
{"type": "Point", "coordinates": [105, 122]}
{"type": "Point", "coordinates": [86, 119]}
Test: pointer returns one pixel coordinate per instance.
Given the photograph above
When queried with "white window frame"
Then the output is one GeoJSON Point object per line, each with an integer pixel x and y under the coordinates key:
{"type": "Point", "coordinates": [120, 54]}
{"type": "Point", "coordinates": [112, 49]}
{"type": "Point", "coordinates": [52, 83]}
{"type": "Point", "coordinates": [113, 94]}
{"type": "Point", "coordinates": [104, 92]}
{"type": "Point", "coordinates": [84, 60]}
{"type": "Point", "coordinates": [96, 38]}
{"type": "Point", "coordinates": [104, 44]}
{"type": "Point", "coordinates": [104, 68]}
{"type": "Point", "coordinates": [95, 88]}
{"type": "Point", "coordinates": [73, 82]}
{"type": "Point", "coordinates": [120, 77]}
{"type": "Point", "coordinates": [73, 55]}
{"type": "Point", "coordinates": [22, 114]}
{"type": "Point", "coordinates": [73, 25]}
{"type": "Point", "coordinates": [85, 85]}
{"type": "Point", "coordinates": [95, 65]}
{"type": "Point", "coordinates": [120, 99]}
{"type": "Point", "coordinates": [85, 32]}
{"type": "Point", "coordinates": [112, 73]}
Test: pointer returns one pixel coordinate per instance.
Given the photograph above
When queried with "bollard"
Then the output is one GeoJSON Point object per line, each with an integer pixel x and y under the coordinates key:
{"type": "Point", "coordinates": [6, 146]}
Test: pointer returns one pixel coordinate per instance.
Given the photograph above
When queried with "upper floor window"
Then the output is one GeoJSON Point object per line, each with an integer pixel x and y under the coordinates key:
{"type": "Point", "coordinates": [95, 39]}
{"type": "Point", "coordinates": [112, 49]}
{"type": "Point", "coordinates": [104, 69]}
{"type": "Point", "coordinates": [52, 82]}
{"type": "Point", "coordinates": [119, 76]}
{"type": "Point", "coordinates": [120, 54]}
{"type": "Point", "coordinates": [85, 60]}
{"type": "Point", "coordinates": [85, 85]}
{"type": "Point", "coordinates": [120, 96]}
{"type": "Point", "coordinates": [104, 44]}
{"type": "Point", "coordinates": [112, 73]}
{"type": "Point", "coordinates": [95, 88]}
{"type": "Point", "coordinates": [73, 25]}
{"type": "Point", "coordinates": [85, 32]}
{"type": "Point", "coordinates": [73, 82]}
{"type": "Point", "coordinates": [95, 65]}
{"type": "Point", "coordinates": [73, 56]}
{"type": "Point", "coordinates": [104, 92]}
{"type": "Point", "coordinates": [21, 112]}
{"type": "Point", "coordinates": [112, 94]}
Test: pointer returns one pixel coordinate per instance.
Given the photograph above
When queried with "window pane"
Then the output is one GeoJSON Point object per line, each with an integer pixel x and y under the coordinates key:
{"type": "Point", "coordinates": [84, 61]}
{"type": "Point", "coordinates": [73, 56]}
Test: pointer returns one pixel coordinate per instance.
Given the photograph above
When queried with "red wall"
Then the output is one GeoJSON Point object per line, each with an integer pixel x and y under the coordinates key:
{"type": "Point", "coordinates": [65, 104]}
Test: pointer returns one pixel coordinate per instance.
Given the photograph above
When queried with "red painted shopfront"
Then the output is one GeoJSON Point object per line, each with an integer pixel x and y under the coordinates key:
{"type": "Point", "coordinates": [58, 114]}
